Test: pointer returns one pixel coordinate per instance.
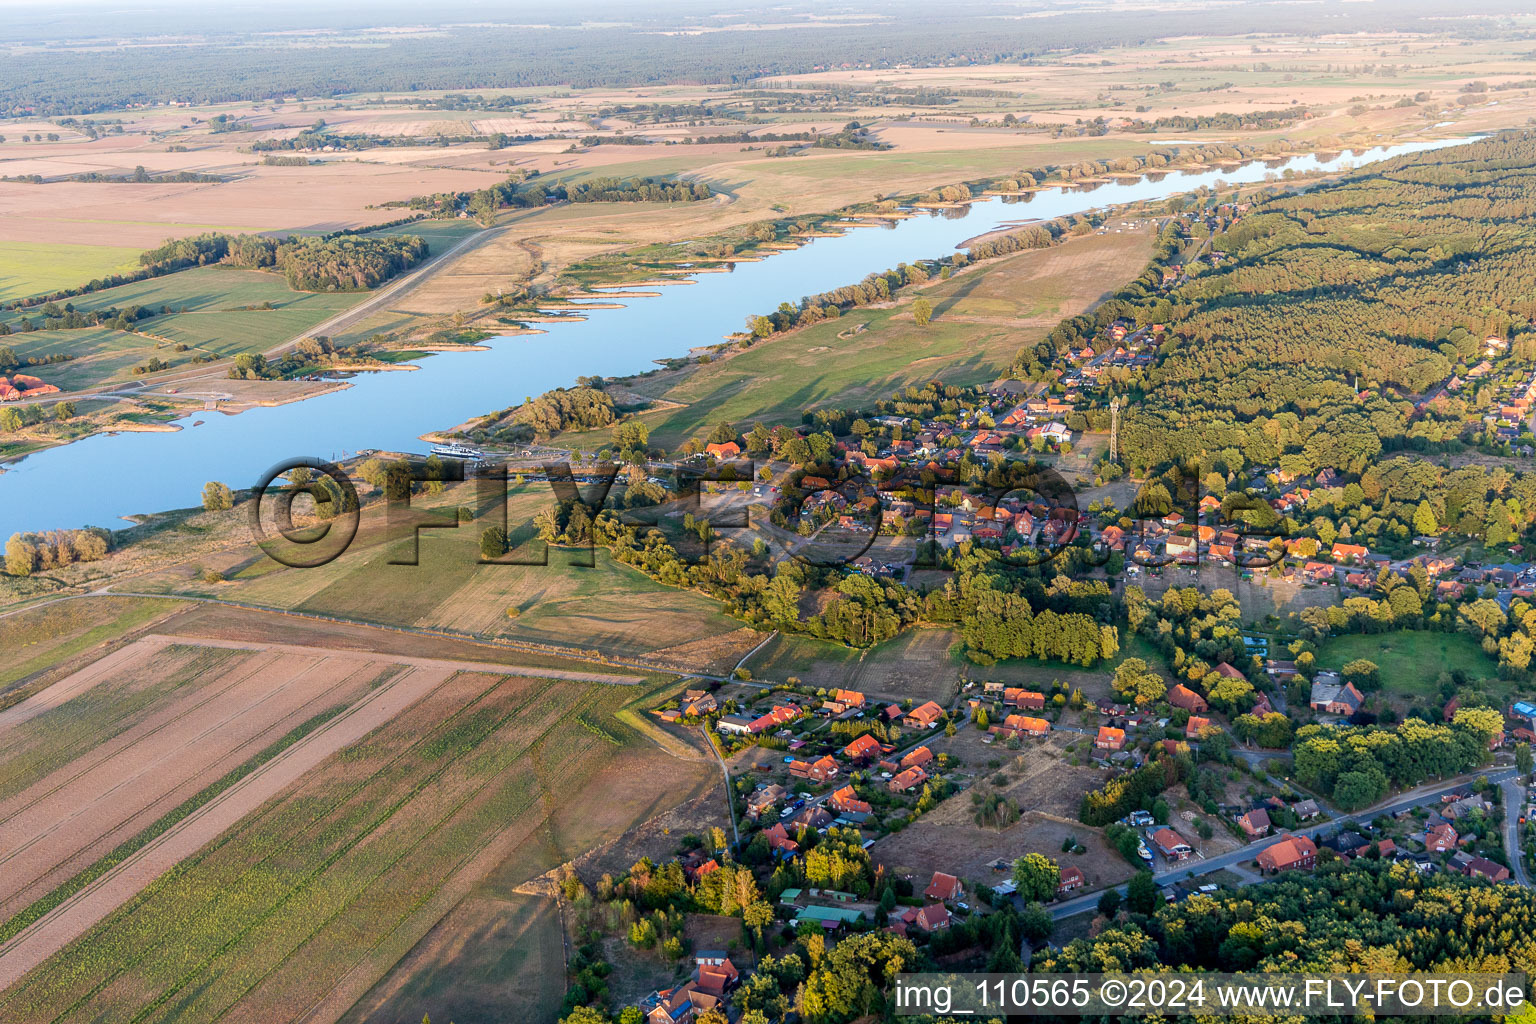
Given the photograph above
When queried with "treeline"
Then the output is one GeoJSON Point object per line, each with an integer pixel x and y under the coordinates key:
{"type": "Point", "coordinates": [54, 80]}
{"type": "Point", "coordinates": [1133, 791]}
{"type": "Point", "coordinates": [332, 263]}
{"type": "Point", "coordinates": [26, 553]}
{"type": "Point", "coordinates": [140, 176]}
{"type": "Point", "coordinates": [1380, 910]}
{"type": "Point", "coordinates": [525, 191]}
{"type": "Point", "coordinates": [1247, 120]}
{"type": "Point", "coordinates": [883, 286]}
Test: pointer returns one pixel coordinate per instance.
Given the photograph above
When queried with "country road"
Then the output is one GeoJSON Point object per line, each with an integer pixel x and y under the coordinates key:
{"type": "Point", "coordinates": [1514, 799]}
{"type": "Point", "coordinates": [1183, 870]}
{"type": "Point", "coordinates": [400, 286]}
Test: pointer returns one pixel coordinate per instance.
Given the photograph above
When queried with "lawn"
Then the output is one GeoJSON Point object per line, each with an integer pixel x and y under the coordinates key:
{"type": "Point", "coordinates": [1410, 661]}
{"type": "Point", "coordinates": [33, 268]}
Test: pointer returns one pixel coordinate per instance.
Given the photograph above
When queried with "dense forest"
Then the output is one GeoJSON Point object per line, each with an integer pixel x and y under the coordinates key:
{"type": "Point", "coordinates": [622, 46]}
{"type": "Point", "coordinates": [1335, 308]}
{"type": "Point", "coordinates": [1369, 915]}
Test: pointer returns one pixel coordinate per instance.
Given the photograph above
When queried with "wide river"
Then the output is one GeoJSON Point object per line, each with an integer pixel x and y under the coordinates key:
{"type": "Point", "coordinates": [101, 479]}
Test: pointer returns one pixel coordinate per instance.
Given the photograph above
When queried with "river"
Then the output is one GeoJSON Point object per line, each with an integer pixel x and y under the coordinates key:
{"type": "Point", "coordinates": [101, 479]}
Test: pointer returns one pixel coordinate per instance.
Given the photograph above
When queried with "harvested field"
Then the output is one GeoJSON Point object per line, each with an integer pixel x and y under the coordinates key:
{"type": "Point", "coordinates": [345, 849]}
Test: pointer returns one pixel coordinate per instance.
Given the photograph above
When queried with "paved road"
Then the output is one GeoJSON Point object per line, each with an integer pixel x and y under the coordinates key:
{"type": "Point", "coordinates": [1183, 870]}
{"type": "Point", "coordinates": [393, 290]}
{"type": "Point", "coordinates": [1514, 799]}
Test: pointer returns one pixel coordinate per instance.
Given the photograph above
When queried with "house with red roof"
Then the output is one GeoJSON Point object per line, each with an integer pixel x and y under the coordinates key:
{"type": "Point", "coordinates": [1109, 738]}
{"type": "Point", "coordinates": [925, 716]}
{"type": "Point", "coordinates": [1287, 854]}
{"type": "Point", "coordinates": [1182, 696]}
{"type": "Point", "coordinates": [864, 748]}
{"type": "Point", "coordinates": [909, 779]}
{"type": "Point", "coordinates": [944, 887]}
{"type": "Point", "coordinates": [819, 770]}
{"type": "Point", "coordinates": [846, 800]}
{"type": "Point", "coordinates": [917, 757]}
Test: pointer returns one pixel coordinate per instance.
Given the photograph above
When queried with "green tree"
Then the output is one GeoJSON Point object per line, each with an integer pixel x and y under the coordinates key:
{"type": "Point", "coordinates": [1424, 521]}
{"type": "Point", "coordinates": [20, 556]}
{"type": "Point", "coordinates": [1141, 893]}
{"type": "Point", "coordinates": [1036, 876]}
{"type": "Point", "coordinates": [493, 543]}
{"type": "Point", "coordinates": [922, 312]}
{"type": "Point", "coordinates": [217, 497]}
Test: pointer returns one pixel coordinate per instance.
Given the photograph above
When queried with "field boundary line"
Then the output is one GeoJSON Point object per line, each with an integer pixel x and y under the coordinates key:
{"type": "Point", "coordinates": [85, 909]}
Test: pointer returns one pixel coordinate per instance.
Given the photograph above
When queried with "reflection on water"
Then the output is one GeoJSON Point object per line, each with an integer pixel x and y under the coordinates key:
{"type": "Point", "coordinates": [100, 479]}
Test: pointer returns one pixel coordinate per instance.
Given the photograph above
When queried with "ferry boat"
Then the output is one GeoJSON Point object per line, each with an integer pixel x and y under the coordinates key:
{"type": "Point", "coordinates": [456, 451]}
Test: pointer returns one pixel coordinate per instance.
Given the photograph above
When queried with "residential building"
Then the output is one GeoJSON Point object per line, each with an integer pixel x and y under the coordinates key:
{"type": "Point", "coordinates": [944, 887]}
{"type": "Point", "coordinates": [1170, 844]}
{"type": "Point", "coordinates": [925, 715]}
{"type": "Point", "coordinates": [1294, 852]}
{"type": "Point", "coordinates": [1182, 696]}
{"type": "Point", "coordinates": [909, 779]}
{"type": "Point", "coordinates": [1255, 823]}
{"type": "Point", "coordinates": [864, 748]}
{"type": "Point", "coordinates": [1109, 738]}
{"type": "Point", "coordinates": [846, 800]}
{"type": "Point", "coordinates": [820, 770]}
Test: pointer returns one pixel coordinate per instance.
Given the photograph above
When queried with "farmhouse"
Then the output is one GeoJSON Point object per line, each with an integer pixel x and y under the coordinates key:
{"type": "Point", "coordinates": [738, 725]}
{"type": "Point", "coordinates": [782, 714]}
{"type": "Point", "coordinates": [1334, 698]}
{"type": "Point", "coordinates": [681, 1005]}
